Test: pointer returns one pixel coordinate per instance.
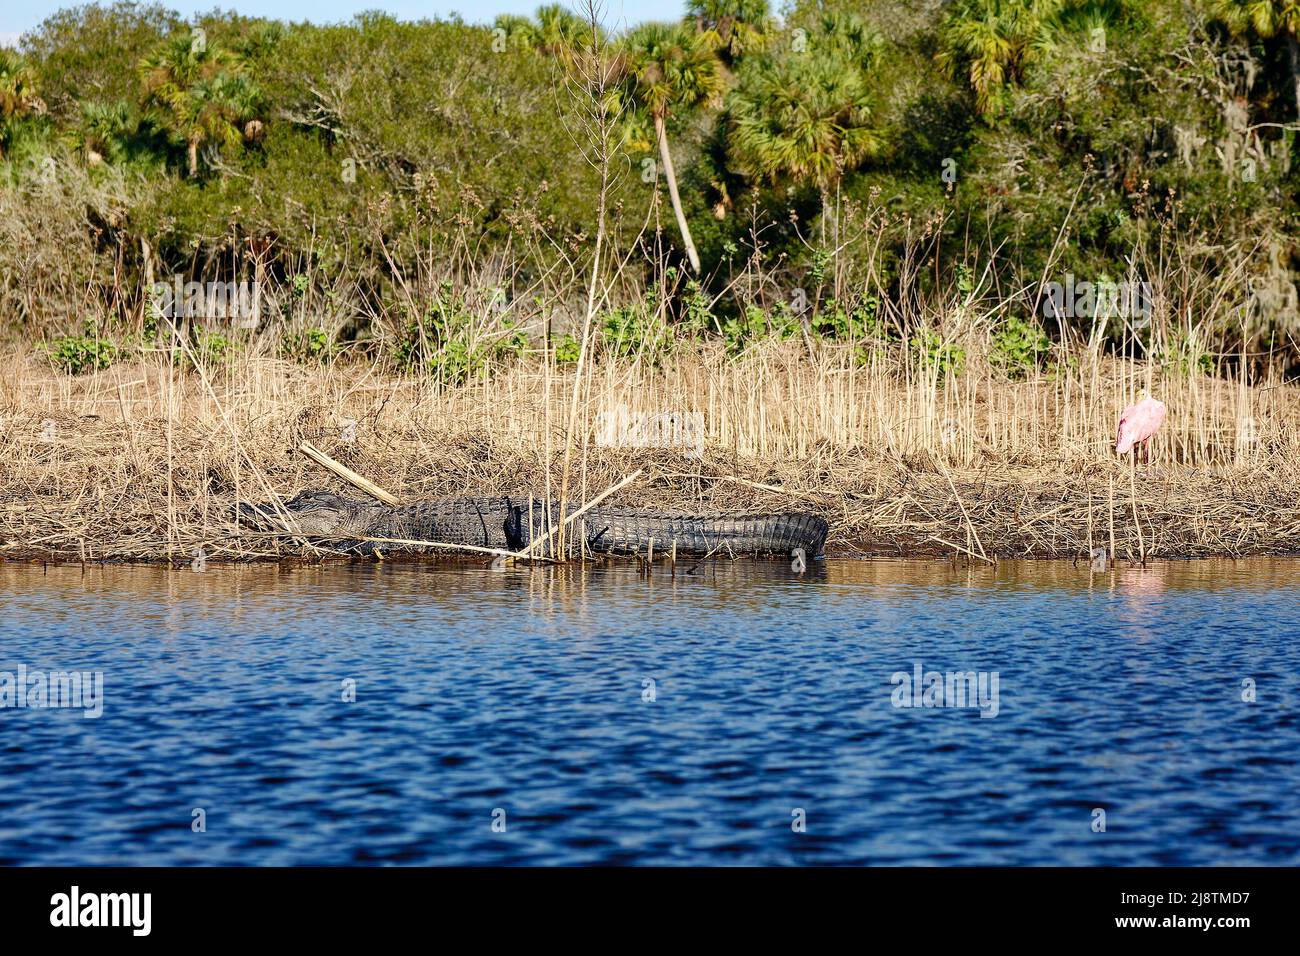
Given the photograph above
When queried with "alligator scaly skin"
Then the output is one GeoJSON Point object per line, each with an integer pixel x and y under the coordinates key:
{"type": "Point", "coordinates": [620, 530]}
{"type": "Point", "coordinates": [329, 519]}
{"type": "Point", "coordinates": [503, 523]}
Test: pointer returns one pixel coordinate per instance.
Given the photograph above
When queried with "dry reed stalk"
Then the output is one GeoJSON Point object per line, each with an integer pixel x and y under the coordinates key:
{"type": "Point", "coordinates": [1111, 504]}
{"type": "Point", "coordinates": [957, 547]}
{"type": "Point", "coordinates": [532, 545]}
{"type": "Point", "coordinates": [139, 457]}
{"type": "Point", "coordinates": [1090, 545]}
{"type": "Point", "coordinates": [347, 474]}
{"type": "Point", "coordinates": [596, 74]}
{"type": "Point", "coordinates": [965, 515]}
{"type": "Point", "coordinates": [434, 545]}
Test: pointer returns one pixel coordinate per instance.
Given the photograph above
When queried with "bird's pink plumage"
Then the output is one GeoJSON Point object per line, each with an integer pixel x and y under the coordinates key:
{"type": "Point", "coordinates": [1138, 423]}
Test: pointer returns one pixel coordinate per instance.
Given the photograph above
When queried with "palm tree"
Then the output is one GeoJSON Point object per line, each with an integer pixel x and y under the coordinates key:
{"type": "Point", "coordinates": [671, 70]}
{"type": "Point", "coordinates": [1266, 19]}
{"type": "Point", "coordinates": [734, 28]}
{"type": "Point", "coordinates": [848, 35]}
{"type": "Point", "coordinates": [220, 111]}
{"type": "Point", "coordinates": [18, 98]}
{"type": "Point", "coordinates": [104, 131]}
{"type": "Point", "coordinates": [518, 28]}
{"type": "Point", "coordinates": [560, 31]}
{"type": "Point", "coordinates": [554, 30]}
{"type": "Point", "coordinates": [201, 94]}
{"type": "Point", "coordinates": [802, 119]}
{"type": "Point", "coordinates": [992, 41]}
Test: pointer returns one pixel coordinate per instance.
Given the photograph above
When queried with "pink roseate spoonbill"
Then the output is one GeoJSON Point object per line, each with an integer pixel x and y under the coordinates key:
{"type": "Point", "coordinates": [1137, 424]}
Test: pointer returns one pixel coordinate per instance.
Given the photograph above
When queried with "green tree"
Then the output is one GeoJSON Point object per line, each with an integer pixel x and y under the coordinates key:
{"type": "Point", "coordinates": [734, 28]}
{"type": "Point", "coordinates": [671, 70]}
{"type": "Point", "coordinates": [18, 98]}
{"type": "Point", "coordinates": [105, 131]}
{"type": "Point", "coordinates": [805, 116]}
{"type": "Point", "coordinates": [991, 42]}
{"type": "Point", "coordinates": [200, 93]}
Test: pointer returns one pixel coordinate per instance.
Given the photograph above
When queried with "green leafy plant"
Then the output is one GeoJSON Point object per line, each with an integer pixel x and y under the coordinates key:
{"type": "Point", "coordinates": [513, 342]}
{"type": "Point", "coordinates": [567, 349]}
{"type": "Point", "coordinates": [1018, 346]}
{"type": "Point", "coordinates": [212, 348]}
{"type": "Point", "coordinates": [633, 330]}
{"type": "Point", "coordinates": [944, 357]}
{"type": "Point", "coordinates": [308, 345]}
{"type": "Point", "coordinates": [856, 322]}
{"type": "Point", "coordinates": [447, 343]}
{"type": "Point", "coordinates": [736, 331]}
{"type": "Point", "coordinates": [697, 317]}
{"type": "Point", "coordinates": [76, 354]}
{"type": "Point", "coordinates": [782, 323]}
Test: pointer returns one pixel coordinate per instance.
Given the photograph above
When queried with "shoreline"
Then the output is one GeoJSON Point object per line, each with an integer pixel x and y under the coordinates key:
{"type": "Point", "coordinates": [849, 553]}
{"type": "Point", "coordinates": [143, 461]}
{"type": "Point", "coordinates": [914, 515]}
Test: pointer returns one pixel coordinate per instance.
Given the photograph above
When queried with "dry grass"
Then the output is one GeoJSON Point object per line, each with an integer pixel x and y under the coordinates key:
{"type": "Point", "coordinates": [143, 460]}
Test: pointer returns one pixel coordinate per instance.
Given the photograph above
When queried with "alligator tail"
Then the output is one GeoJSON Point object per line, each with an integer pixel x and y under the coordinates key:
{"type": "Point", "coordinates": [617, 530]}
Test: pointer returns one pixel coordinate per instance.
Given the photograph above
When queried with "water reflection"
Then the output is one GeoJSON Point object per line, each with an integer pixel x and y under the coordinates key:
{"type": "Point", "coordinates": [170, 598]}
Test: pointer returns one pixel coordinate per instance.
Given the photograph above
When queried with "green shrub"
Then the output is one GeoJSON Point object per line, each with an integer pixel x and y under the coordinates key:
{"type": "Point", "coordinates": [635, 330]}
{"type": "Point", "coordinates": [944, 357]}
{"type": "Point", "coordinates": [1018, 346]}
{"type": "Point", "coordinates": [308, 345]}
{"type": "Point", "coordinates": [567, 349]}
{"type": "Point", "coordinates": [82, 353]}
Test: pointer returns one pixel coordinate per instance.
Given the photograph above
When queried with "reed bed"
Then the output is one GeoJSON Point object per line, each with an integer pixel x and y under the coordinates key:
{"type": "Point", "coordinates": [143, 460]}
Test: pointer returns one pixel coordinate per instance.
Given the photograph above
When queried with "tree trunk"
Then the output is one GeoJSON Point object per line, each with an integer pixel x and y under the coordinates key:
{"type": "Point", "coordinates": [146, 256]}
{"type": "Point", "coordinates": [667, 159]}
{"type": "Point", "coordinates": [192, 152]}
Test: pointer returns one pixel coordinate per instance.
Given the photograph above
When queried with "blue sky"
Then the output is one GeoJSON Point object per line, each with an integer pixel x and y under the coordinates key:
{"type": "Point", "coordinates": [17, 17]}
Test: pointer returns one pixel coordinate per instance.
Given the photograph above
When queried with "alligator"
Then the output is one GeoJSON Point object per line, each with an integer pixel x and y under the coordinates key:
{"type": "Point", "coordinates": [507, 524]}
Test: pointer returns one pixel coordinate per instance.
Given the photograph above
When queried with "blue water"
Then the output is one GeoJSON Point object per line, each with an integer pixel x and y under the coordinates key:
{"type": "Point", "coordinates": [523, 698]}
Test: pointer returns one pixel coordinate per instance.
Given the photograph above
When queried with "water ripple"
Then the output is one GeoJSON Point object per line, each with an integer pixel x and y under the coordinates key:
{"type": "Point", "coordinates": [740, 715]}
